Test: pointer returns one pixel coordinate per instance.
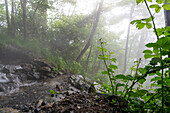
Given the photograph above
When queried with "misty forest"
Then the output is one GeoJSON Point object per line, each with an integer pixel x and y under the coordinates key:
{"type": "Point", "coordinates": [84, 56]}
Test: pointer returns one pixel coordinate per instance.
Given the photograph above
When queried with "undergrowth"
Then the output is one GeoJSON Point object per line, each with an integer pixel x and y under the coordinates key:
{"type": "Point", "coordinates": [130, 87]}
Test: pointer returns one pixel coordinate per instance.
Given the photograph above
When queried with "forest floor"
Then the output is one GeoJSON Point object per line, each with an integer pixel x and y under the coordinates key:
{"type": "Point", "coordinates": [37, 99]}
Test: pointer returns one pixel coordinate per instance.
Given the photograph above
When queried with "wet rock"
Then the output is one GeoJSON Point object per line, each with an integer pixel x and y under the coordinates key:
{"type": "Point", "coordinates": [78, 82]}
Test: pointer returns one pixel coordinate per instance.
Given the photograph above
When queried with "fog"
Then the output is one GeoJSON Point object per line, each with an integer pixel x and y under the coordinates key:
{"type": "Point", "coordinates": [61, 29]}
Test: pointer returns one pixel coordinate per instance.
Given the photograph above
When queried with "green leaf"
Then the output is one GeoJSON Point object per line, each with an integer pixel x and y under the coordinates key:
{"type": "Point", "coordinates": [52, 92]}
{"type": "Point", "coordinates": [156, 79]}
{"type": "Point", "coordinates": [138, 1]}
{"type": "Point", "coordinates": [114, 60]}
{"type": "Point", "coordinates": [148, 56]}
{"type": "Point", "coordinates": [154, 6]}
{"type": "Point", "coordinates": [149, 0]}
{"type": "Point", "coordinates": [155, 45]}
{"type": "Point", "coordinates": [106, 56]}
{"type": "Point", "coordinates": [120, 76]}
{"type": "Point", "coordinates": [119, 85]}
{"type": "Point", "coordinates": [160, 1]}
{"type": "Point", "coordinates": [142, 92]}
{"type": "Point", "coordinates": [113, 67]}
{"type": "Point", "coordinates": [147, 51]}
{"type": "Point", "coordinates": [166, 6]}
{"type": "Point", "coordinates": [155, 61]}
{"type": "Point", "coordinates": [141, 81]}
{"type": "Point", "coordinates": [148, 25]}
{"type": "Point", "coordinates": [140, 25]}
{"type": "Point", "coordinates": [105, 72]}
{"type": "Point", "coordinates": [162, 41]}
{"type": "Point", "coordinates": [166, 45]}
{"type": "Point", "coordinates": [157, 10]}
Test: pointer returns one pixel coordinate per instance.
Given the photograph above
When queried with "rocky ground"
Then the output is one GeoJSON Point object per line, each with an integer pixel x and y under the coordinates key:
{"type": "Point", "coordinates": [68, 99]}
{"type": "Point", "coordinates": [69, 93]}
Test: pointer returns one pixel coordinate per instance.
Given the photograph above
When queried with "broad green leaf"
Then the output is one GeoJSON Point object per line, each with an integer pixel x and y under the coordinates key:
{"type": "Point", "coordinates": [154, 6]}
{"type": "Point", "coordinates": [147, 51]}
{"type": "Point", "coordinates": [104, 72]}
{"type": "Point", "coordinates": [155, 45]}
{"type": "Point", "coordinates": [138, 1]}
{"type": "Point", "coordinates": [166, 6]}
{"type": "Point", "coordinates": [142, 70]}
{"type": "Point", "coordinates": [149, 0]}
{"type": "Point", "coordinates": [162, 41]}
{"type": "Point", "coordinates": [148, 56]}
{"type": "Point", "coordinates": [166, 45]}
{"type": "Point", "coordinates": [157, 10]}
{"type": "Point", "coordinates": [140, 25]}
{"type": "Point", "coordinates": [148, 25]}
{"type": "Point", "coordinates": [160, 1]}
{"type": "Point", "coordinates": [113, 67]}
{"type": "Point", "coordinates": [156, 50]}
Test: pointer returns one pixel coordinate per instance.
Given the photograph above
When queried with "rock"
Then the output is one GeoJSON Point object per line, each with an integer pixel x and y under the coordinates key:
{"type": "Point", "coordinates": [40, 103]}
{"type": "Point", "coordinates": [5, 70]}
{"type": "Point", "coordinates": [46, 69]}
{"type": "Point", "coordinates": [8, 110]}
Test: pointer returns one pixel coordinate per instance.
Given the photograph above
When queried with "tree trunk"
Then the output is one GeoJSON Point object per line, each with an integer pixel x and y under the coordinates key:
{"type": "Point", "coordinates": [87, 62]}
{"type": "Point", "coordinates": [167, 22]}
{"type": "Point", "coordinates": [127, 40]}
{"type": "Point", "coordinates": [12, 19]}
{"type": "Point", "coordinates": [23, 5]}
{"type": "Point", "coordinates": [95, 24]}
{"type": "Point", "coordinates": [7, 16]}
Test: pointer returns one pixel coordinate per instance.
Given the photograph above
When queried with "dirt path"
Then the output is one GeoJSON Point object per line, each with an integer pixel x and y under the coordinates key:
{"type": "Point", "coordinates": [29, 94]}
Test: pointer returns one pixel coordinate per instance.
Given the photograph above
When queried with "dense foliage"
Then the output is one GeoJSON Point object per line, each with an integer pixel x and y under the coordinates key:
{"type": "Point", "coordinates": [156, 97]}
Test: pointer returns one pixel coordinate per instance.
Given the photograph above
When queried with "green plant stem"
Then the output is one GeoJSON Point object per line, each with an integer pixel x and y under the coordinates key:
{"type": "Point", "coordinates": [107, 68]}
{"type": "Point", "coordinates": [152, 20]}
{"type": "Point", "coordinates": [160, 54]}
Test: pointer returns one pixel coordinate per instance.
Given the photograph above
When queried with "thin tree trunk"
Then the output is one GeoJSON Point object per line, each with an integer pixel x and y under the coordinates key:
{"type": "Point", "coordinates": [167, 23]}
{"type": "Point", "coordinates": [23, 5]}
{"type": "Point", "coordinates": [95, 24]}
{"type": "Point", "coordinates": [7, 15]}
{"type": "Point", "coordinates": [127, 40]}
{"type": "Point", "coordinates": [87, 62]}
{"type": "Point", "coordinates": [12, 19]}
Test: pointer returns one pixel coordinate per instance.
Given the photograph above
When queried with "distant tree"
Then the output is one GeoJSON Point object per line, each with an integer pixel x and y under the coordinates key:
{"type": "Point", "coordinates": [95, 24]}
{"type": "Point", "coordinates": [167, 20]}
{"type": "Point", "coordinates": [7, 15]}
{"type": "Point", "coordinates": [127, 40]}
{"type": "Point", "coordinates": [24, 16]}
{"type": "Point", "coordinates": [12, 19]}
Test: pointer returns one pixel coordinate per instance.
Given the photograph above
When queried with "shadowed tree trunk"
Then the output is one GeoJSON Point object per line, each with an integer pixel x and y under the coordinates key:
{"type": "Point", "coordinates": [167, 22]}
{"type": "Point", "coordinates": [7, 15]}
{"type": "Point", "coordinates": [95, 24]}
{"type": "Point", "coordinates": [127, 40]}
{"type": "Point", "coordinates": [24, 16]}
